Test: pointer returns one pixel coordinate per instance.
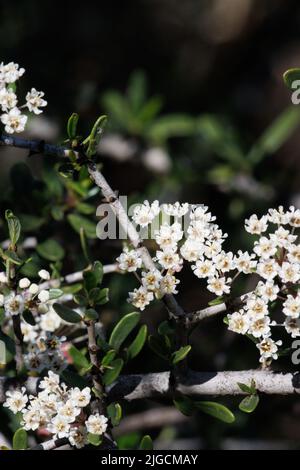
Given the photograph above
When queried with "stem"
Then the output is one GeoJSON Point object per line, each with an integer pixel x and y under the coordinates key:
{"type": "Point", "coordinates": [97, 382]}
{"type": "Point", "coordinates": [18, 336]}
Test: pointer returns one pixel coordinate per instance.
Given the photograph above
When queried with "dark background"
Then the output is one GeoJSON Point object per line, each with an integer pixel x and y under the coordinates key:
{"type": "Point", "coordinates": [220, 58]}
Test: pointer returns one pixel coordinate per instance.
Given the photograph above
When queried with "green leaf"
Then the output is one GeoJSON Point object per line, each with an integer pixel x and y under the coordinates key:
{"type": "Point", "coordinates": [249, 403]}
{"type": "Point", "coordinates": [72, 126]}
{"type": "Point", "coordinates": [216, 410]}
{"type": "Point", "coordinates": [216, 301]}
{"type": "Point", "coordinates": [13, 257]}
{"type": "Point", "coordinates": [112, 374]}
{"type": "Point", "coordinates": [159, 347]}
{"type": "Point", "coordinates": [14, 227]}
{"type": "Point", "coordinates": [95, 135]}
{"type": "Point", "coordinates": [79, 222]}
{"type": "Point", "coordinates": [109, 356]}
{"type": "Point", "coordinates": [246, 388]}
{"type": "Point", "coordinates": [79, 358]}
{"type": "Point", "coordinates": [185, 405]}
{"type": "Point", "coordinates": [103, 298]}
{"type": "Point", "coordinates": [30, 223]}
{"type": "Point", "coordinates": [137, 89]}
{"type": "Point", "coordinates": [123, 328]}
{"type": "Point", "coordinates": [146, 443]}
{"type": "Point", "coordinates": [20, 440]}
{"type": "Point", "coordinates": [179, 355]}
{"type": "Point", "coordinates": [67, 314]}
{"type": "Point", "coordinates": [137, 344]}
{"type": "Point", "coordinates": [55, 293]}
{"type": "Point", "coordinates": [93, 278]}
{"type": "Point", "coordinates": [276, 134]}
{"type": "Point", "coordinates": [50, 250]}
{"type": "Point", "coordinates": [94, 439]}
{"type": "Point", "coordinates": [291, 76]}
{"type": "Point", "coordinates": [173, 125]}
{"type": "Point", "coordinates": [28, 317]}
{"type": "Point", "coordinates": [9, 343]}
{"type": "Point", "coordinates": [165, 328]}
{"type": "Point", "coordinates": [91, 314]}
{"type": "Point", "coordinates": [114, 411]}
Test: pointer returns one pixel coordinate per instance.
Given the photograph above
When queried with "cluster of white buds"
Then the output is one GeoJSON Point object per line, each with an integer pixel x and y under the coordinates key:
{"type": "Point", "coordinates": [11, 113]}
{"type": "Point", "coordinates": [276, 260]}
{"type": "Point", "coordinates": [60, 411]}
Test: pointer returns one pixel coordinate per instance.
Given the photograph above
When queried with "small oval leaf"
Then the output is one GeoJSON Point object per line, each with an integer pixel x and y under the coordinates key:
{"type": "Point", "coordinates": [67, 314]}
{"type": "Point", "coordinates": [123, 328]}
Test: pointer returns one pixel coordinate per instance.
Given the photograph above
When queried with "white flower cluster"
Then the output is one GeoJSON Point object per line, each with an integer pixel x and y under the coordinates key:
{"type": "Point", "coordinates": [276, 259]}
{"type": "Point", "coordinates": [59, 410]}
{"type": "Point", "coordinates": [201, 245]}
{"type": "Point", "coordinates": [43, 351]}
{"type": "Point", "coordinates": [46, 353]}
{"type": "Point", "coordinates": [11, 115]}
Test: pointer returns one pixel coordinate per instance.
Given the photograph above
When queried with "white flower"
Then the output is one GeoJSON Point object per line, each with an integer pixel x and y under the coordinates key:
{"type": "Point", "coordinates": [44, 296]}
{"type": "Point", "coordinates": [140, 297]}
{"type": "Point", "coordinates": [14, 121]}
{"type": "Point", "coordinates": [34, 101]}
{"type": "Point", "coordinates": [219, 285]}
{"type": "Point", "coordinates": [191, 250]}
{"type": "Point", "coordinates": [33, 289]}
{"type": "Point", "coordinates": [129, 260]}
{"type": "Point", "coordinates": [44, 274]}
{"type": "Point", "coordinates": [256, 226]}
{"type": "Point", "coordinates": [68, 411]}
{"type": "Point", "coordinates": [14, 304]}
{"type": "Point", "coordinates": [3, 278]}
{"type": "Point", "coordinates": [151, 279]}
{"type": "Point", "coordinates": [16, 401]}
{"type": "Point", "coordinates": [268, 269]}
{"type": "Point", "coordinates": [244, 262]}
{"type": "Point", "coordinates": [224, 261]}
{"type": "Point", "coordinates": [145, 213]}
{"type": "Point", "coordinates": [294, 253]}
{"type": "Point", "coordinates": [282, 237]}
{"type": "Point", "coordinates": [177, 209]}
{"type": "Point", "coordinates": [268, 349]}
{"type": "Point", "coordinates": [204, 268]}
{"type": "Point", "coordinates": [289, 272]}
{"type": "Point", "coordinates": [50, 321]}
{"type": "Point", "coordinates": [96, 424]}
{"type": "Point", "coordinates": [292, 326]}
{"type": "Point", "coordinates": [11, 72]}
{"type": "Point", "coordinates": [278, 216]}
{"type": "Point", "coordinates": [50, 383]}
{"type": "Point", "coordinates": [267, 291]}
{"type": "Point", "coordinates": [260, 327]}
{"type": "Point", "coordinates": [198, 231]}
{"type": "Point", "coordinates": [238, 322]}
{"type": "Point", "coordinates": [24, 283]}
{"type": "Point", "coordinates": [212, 249]}
{"type": "Point", "coordinates": [78, 436]}
{"type": "Point", "coordinates": [291, 306]}
{"type": "Point", "coordinates": [265, 248]}
{"type": "Point", "coordinates": [168, 236]}
{"type": "Point", "coordinates": [31, 419]}
{"type": "Point", "coordinates": [169, 259]}
{"type": "Point", "coordinates": [80, 398]}
{"type": "Point", "coordinates": [168, 284]}
{"type": "Point", "coordinates": [294, 217]}
{"type": "Point", "coordinates": [199, 213]}
{"type": "Point", "coordinates": [29, 332]}
{"type": "Point", "coordinates": [8, 99]}
{"type": "Point", "coordinates": [256, 307]}
{"type": "Point", "coordinates": [59, 426]}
